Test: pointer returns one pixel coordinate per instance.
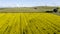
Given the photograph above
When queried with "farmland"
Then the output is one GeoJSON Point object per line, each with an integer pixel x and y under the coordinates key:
{"type": "Point", "coordinates": [29, 23]}
{"type": "Point", "coordinates": [40, 9]}
{"type": "Point", "coordinates": [28, 20]}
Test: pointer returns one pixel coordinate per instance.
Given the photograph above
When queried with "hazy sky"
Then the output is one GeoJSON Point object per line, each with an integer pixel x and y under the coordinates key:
{"type": "Point", "coordinates": [15, 3]}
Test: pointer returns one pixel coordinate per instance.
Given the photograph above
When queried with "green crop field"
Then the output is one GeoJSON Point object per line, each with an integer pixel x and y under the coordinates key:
{"type": "Point", "coordinates": [29, 23]}
{"type": "Point", "coordinates": [28, 9]}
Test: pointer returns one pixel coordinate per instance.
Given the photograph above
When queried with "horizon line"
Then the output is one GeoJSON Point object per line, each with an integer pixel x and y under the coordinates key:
{"type": "Point", "coordinates": [27, 6]}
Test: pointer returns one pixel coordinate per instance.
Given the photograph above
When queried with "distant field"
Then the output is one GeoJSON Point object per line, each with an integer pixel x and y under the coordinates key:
{"type": "Point", "coordinates": [29, 23]}
{"type": "Point", "coordinates": [28, 9]}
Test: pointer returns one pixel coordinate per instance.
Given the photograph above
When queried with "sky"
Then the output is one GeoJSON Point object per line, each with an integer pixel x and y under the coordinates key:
{"type": "Point", "coordinates": [28, 3]}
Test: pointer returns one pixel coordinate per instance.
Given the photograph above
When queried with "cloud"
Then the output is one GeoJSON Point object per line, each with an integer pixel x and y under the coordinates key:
{"type": "Point", "coordinates": [28, 3]}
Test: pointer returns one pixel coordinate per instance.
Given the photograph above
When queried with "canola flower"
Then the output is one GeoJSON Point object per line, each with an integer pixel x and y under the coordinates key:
{"type": "Point", "coordinates": [29, 23]}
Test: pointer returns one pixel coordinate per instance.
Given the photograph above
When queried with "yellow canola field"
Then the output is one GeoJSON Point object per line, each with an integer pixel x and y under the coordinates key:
{"type": "Point", "coordinates": [29, 23]}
